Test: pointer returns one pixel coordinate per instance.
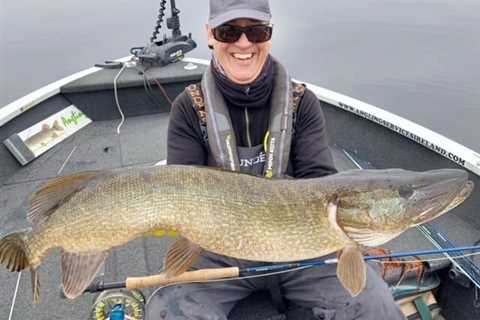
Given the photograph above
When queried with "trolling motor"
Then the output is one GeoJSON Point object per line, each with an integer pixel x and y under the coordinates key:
{"type": "Point", "coordinates": [169, 49]}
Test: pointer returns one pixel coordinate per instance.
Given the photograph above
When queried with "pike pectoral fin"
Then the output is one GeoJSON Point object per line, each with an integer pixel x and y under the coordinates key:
{"type": "Point", "coordinates": [371, 239]}
{"type": "Point", "coordinates": [352, 270]}
{"type": "Point", "coordinates": [180, 257]}
{"type": "Point", "coordinates": [78, 271]}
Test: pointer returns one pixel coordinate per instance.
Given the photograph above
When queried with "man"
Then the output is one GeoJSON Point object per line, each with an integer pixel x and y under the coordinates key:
{"type": "Point", "coordinates": [247, 115]}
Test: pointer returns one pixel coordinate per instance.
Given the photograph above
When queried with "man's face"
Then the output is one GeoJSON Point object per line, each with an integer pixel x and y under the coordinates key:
{"type": "Point", "coordinates": [243, 60]}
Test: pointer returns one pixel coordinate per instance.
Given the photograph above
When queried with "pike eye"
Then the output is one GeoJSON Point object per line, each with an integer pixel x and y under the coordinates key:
{"type": "Point", "coordinates": [405, 193]}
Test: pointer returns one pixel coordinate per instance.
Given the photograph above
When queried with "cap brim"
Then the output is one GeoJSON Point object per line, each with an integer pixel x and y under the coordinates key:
{"type": "Point", "coordinates": [239, 14]}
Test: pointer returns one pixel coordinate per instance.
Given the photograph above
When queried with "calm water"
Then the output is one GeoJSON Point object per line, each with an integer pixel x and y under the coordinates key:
{"type": "Point", "coordinates": [419, 59]}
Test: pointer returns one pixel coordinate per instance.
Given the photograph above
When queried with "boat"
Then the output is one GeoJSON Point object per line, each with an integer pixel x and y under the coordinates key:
{"type": "Point", "coordinates": [115, 115]}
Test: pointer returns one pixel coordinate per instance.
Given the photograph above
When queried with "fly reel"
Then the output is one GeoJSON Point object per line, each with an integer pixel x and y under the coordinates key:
{"type": "Point", "coordinates": [130, 304]}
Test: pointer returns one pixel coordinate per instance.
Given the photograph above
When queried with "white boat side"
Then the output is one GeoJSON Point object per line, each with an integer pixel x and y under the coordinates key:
{"type": "Point", "coordinates": [25, 103]}
{"type": "Point", "coordinates": [436, 142]}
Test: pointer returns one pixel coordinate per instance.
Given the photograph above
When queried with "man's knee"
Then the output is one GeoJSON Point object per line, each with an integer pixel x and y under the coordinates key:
{"type": "Point", "coordinates": [178, 302]}
{"type": "Point", "coordinates": [320, 291]}
{"type": "Point", "coordinates": [376, 300]}
{"type": "Point", "coordinates": [163, 304]}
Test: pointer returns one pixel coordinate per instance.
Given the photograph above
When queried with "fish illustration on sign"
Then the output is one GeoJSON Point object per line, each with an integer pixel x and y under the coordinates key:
{"type": "Point", "coordinates": [45, 136]}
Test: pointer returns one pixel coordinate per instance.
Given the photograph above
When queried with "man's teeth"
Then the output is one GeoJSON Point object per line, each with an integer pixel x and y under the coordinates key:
{"type": "Point", "coordinates": [244, 56]}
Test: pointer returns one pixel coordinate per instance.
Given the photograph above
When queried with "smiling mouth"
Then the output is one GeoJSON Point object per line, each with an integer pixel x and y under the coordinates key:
{"type": "Point", "coordinates": [243, 56]}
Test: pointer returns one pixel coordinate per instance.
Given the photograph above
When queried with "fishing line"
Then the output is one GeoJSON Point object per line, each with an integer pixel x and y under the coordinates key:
{"type": "Point", "coordinates": [115, 91]}
{"type": "Point", "coordinates": [66, 160]}
{"type": "Point", "coordinates": [15, 296]}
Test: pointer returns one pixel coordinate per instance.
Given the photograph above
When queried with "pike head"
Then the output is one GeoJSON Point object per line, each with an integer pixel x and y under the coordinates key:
{"type": "Point", "coordinates": [375, 206]}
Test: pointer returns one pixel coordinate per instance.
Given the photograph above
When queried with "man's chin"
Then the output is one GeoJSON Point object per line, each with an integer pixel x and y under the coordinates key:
{"type": "Point", "coordinates": [243, 76]}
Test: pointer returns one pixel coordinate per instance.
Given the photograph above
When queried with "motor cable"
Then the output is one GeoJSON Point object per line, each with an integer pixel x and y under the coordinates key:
{"type": "Point", "coordinates": [161, 88]}
{"type": "Point", "coordinates": [115, 90]}
{"type": "Point", "coordinates": [146, 80]}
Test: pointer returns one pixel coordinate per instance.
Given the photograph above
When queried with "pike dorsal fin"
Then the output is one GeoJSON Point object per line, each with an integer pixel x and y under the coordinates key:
{"type": "Point", "coordinates": [180, 257]}
{"type": "Point", "coordinates": [352, 269]}
{"type": "Point", "coordinates": [51, 195]}
{"type": "Point", "coordinates": [78, 271]}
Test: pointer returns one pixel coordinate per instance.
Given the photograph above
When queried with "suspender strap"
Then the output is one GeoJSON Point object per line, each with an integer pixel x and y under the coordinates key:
{"type": "Point", "coordinates": [221, 138]}
{"type": "Point", "coordinates": [281, 124]}
{"type": "Point", "coordinates": [298, 92]}
{"type": "Point", "coordinates": [195, 94]}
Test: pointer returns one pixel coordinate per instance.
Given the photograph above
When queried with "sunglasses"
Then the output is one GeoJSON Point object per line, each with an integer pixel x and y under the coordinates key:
{"type": "Point", "coordinates": [255, 34]}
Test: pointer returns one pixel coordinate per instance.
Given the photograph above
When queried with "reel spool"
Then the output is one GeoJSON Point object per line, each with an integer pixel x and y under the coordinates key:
{"type": "Point", "coordinates": [132, 303]}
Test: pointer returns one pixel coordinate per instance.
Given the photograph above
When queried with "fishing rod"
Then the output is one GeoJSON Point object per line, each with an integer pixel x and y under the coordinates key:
{"type": "Point", "coordinates": [466, 266]}
{"type": "Point", "coordinates": [231, 273]}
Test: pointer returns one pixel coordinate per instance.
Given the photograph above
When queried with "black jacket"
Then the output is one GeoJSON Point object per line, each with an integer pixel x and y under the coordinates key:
{"type": "Point", "coordinates": [309, 157]}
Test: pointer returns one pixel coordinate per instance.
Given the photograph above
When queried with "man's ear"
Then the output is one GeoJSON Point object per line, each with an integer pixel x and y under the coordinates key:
{"type": "Point", "coordinates": [211, 39]}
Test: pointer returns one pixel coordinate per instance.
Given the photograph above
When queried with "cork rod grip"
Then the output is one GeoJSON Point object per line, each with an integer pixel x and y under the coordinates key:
{"type": "Point", "coordinates": [190, 276]}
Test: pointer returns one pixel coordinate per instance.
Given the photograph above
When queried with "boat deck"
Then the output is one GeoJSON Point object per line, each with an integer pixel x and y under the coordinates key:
{"type": "Point", "coordinates": [142, 141]}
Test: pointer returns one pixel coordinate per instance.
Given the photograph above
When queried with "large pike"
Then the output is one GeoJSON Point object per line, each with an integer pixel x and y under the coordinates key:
{"type": "Point", "coordinates": [237, 215]}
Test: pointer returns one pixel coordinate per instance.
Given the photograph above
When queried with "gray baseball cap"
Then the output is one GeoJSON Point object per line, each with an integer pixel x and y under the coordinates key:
{"type": "Point", "coordinates": [222, 11]}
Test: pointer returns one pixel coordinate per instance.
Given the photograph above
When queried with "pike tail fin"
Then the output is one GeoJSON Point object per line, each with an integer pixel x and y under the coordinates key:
{"type": "Point", "coordinates": [12, 251]}
{"type": "Point", "coordinates": [14, 257]}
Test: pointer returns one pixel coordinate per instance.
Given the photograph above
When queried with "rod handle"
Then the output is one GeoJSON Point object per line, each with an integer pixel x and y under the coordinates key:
{"type": "Point", "coordinates": [189, 276]}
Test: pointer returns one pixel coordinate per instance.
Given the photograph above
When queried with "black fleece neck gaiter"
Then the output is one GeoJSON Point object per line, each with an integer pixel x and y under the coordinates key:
{"type": "Point", "coordinates": [252, 95]}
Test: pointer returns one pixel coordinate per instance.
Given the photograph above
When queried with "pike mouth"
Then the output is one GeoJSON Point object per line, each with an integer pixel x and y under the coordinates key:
{"type": "Point", "coordinates": [462, 196]}
{"type": "Point", "coordinates": [434, 199]}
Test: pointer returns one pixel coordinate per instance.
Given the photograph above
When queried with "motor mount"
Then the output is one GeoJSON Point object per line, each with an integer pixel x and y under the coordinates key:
{"type": "Point", "coordinates": [170, 49]}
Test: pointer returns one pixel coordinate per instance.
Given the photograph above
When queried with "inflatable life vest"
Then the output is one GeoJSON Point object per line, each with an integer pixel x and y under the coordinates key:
{"type": "Point", "coordinates": [217, 130]}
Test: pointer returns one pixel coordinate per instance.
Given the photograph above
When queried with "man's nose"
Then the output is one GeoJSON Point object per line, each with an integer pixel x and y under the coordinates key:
{"type": "Point", "coordinates": [243, 41]}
